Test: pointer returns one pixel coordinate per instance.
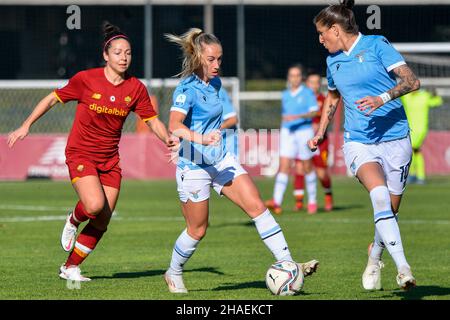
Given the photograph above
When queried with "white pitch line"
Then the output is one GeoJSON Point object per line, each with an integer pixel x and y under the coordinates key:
{"type": "Point", "coordinates": [32, 208]}
{"type": "Point", "coordinates": [221, 219]}
{"type": "Point", "coordinates": [32, 219]}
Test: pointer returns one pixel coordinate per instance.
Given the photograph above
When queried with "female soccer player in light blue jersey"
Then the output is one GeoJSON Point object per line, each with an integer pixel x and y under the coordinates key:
{"type": "Point", "coordinates": [377, 148]}
{"type": "Point", "coordinates": [204, 163]}
{"type": "Point", "coordinates": [298, 107]}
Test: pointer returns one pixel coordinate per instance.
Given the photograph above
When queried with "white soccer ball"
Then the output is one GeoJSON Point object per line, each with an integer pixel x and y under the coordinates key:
{"type": "Point", "coordinates": [284, 278]}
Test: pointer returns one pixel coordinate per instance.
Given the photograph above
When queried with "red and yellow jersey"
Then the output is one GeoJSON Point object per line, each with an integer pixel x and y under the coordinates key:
{"type": "Point", "coordinates": [320, 101]}
{"type": "Point", "coordinates": [101, 112]}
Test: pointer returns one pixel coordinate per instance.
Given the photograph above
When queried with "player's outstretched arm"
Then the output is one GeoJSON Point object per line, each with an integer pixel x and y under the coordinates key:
{"type": "Point", "coordinates": [177, 128]}
{"type": "Point", "coordinates": [41, 108]}
{"type": "Point", "coordinates": [408, 82]}
{"type": "Point", "coordinates": [329, 109]}
{"type": "Point", "coordinates": [161, 132]}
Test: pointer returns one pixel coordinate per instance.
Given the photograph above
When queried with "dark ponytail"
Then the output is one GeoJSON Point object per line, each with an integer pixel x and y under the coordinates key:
{"type": "Point", "coordinates": [340, 14]}
{"type": "Point", "coordinates": [111, 32]}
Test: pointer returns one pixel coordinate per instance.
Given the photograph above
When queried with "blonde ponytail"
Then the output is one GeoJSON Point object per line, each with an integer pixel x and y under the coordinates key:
{"type": "Point", "coordinates": [190, 44]}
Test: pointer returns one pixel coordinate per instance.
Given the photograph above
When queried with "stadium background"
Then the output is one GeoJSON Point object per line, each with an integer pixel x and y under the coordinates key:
{"type": "Point", "coordinates": [37, 47]}
{"type": "Point", "coordinates": [270, 38]}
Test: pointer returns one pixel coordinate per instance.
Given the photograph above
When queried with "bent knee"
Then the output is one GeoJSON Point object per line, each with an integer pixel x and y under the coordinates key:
{"type": "Point", "coordinates": [255, 208]}
{"type": "Point", "coordinates": [94, 206]}
{"type": "Point", "coordinates": [197, 233]}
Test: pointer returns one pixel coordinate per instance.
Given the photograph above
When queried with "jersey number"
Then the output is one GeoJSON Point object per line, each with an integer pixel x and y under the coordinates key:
{"type": "Point", "coordinates": [405, 171]}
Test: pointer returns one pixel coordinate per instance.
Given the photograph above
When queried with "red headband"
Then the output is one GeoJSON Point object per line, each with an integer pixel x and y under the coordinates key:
{"type": "Point", "coordinates": [113, 38]}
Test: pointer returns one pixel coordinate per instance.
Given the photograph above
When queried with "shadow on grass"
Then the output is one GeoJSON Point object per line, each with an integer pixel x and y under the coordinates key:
{"type": "Point", "coordinates": [152, 273]}
{"type": "Point", "coordinates": [232, 224]}
{"type": "Point", "coordinates": [420, 292]}
{"type": "Point", "coordinates": [244, 285]}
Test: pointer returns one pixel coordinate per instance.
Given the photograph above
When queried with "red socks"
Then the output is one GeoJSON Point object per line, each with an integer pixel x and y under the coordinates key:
{"type": "Point", "coordinates": [86, 242]}
{"type": "Point", "coordinates": [80, 215]}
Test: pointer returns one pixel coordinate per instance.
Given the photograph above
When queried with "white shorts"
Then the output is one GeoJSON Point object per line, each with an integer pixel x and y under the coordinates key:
{"type": "Point", "coordinates": [393, 156]}
{"type": "Point", "coordinates": [294, 144]}
{"type": "Point", "coordinates": [195, 184]}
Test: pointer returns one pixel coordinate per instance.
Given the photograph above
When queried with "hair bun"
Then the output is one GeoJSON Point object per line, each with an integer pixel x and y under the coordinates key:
{"type": "Point", "coordinates": [349, 4]}
{"type": "Point", "coordinates": [109, 29]}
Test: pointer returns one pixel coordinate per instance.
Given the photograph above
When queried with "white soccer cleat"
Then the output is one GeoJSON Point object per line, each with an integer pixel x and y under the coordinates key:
{"type": "Point", "coordinates": [371, 278]}
{"type": "Point", "coordinates": [69, 234]}
{"type": "Point", "coordinates": [175, 283]}
{"type": "Point", "coordinates": [308, 268]}
{"type": "Point", "coordinates": [405, 279]}
{"type": "Point", "coordinates": [72, 273]}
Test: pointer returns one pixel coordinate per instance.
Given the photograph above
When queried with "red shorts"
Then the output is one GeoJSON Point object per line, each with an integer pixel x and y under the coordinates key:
{"type": "Point", "coordinates": [109, 172]}
{"type": "Point", "coordinates": [321, 160]}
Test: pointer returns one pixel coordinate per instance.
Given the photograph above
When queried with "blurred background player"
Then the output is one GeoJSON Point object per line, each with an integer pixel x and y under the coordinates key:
{"type": "Point", "coordinates": [298, 107]}
{"type": "Point", "coordinates": [105, 98]}
{"type": "Point", "coordinates": [320, 161]}
{"type": "Point", "coordinates": [377, 147]}
{"type": "Point", "coordinates": [204, 163]}
{"type": "Point", "coordinates": [417, 105]}
{"type": "Point", "coordinates": [229, 125]}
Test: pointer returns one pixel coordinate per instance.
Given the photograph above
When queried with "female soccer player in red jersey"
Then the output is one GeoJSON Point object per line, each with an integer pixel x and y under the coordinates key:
{"type": "Point", "coordinates": [105, 98]}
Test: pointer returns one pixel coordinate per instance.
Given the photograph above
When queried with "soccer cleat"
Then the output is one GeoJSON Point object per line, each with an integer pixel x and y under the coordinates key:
{"type": "Point", "coordinates": [312, 208]}
{"type": "Point", "coordinates": [328, 202]}
{"type": "Point", "coordinates": [371, 278]}
{"type": "Point", "coordinates": [69, 234]}
{"type": "Point", "coordinates": [72, 273]}
{"type": "Point", "coordinates": [298, 203]}
{"type": "Point", "coordinates": [308, 268]}
{"type": "Point", "coordinates": [271, 205]}
{"type": "Point", "coordinates": [405, 279]}
{"type": "Point", "coordinates": [175, 283]}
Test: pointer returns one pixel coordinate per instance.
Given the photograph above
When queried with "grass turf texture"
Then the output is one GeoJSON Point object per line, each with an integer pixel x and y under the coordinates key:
{"type": "Point", "coordinates": [231, 261]}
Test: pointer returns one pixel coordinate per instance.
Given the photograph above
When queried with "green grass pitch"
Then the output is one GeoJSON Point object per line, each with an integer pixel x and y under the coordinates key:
{"type": "Point", "coordinates": [231, 261]}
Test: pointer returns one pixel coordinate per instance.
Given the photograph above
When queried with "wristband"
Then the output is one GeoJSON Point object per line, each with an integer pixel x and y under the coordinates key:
{"type": "Point", "coordinates": [385, 97]}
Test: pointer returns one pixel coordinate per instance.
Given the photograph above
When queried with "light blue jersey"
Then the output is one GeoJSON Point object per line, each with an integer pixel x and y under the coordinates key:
{"type": "Point", "coordinates": [301, 101]}
{"type": "Point", "coordinates": [201, 104]}
{"type": "Point", "coordinates": [365, 70]}
{"type": "Point", "coordinates": [230, 137]}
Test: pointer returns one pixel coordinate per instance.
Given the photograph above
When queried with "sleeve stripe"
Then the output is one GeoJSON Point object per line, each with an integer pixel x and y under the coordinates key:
{"type": "Point", "coordinates": [229, 115]}
{"type": "Point", "coordinates": [57, 97]}
{"type": "Point", "coordinates": [313, 108]}
{"type": "Point", "coordinates": [395, 65]}
{"type": "Point", "coordinates": [179, 110]}
{"type": "Point", "coordinates": [331, 88]}
{"type": "Point", "coordinates": [148, 119]}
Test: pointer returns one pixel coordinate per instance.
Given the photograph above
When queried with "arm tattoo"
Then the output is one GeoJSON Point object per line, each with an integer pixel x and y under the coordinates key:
{"type": "Point", "coordinates": [332, 111]}
{"type": "Point", "coordinates": [408, 82]}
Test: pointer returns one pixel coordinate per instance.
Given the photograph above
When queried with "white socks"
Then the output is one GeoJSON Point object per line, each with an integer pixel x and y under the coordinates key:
{"type": "Point", "coordinates": [272, 236]}
{"type": "Point", "coordinates": [311, 187]}
{"type": "Point", "coordinates": [184, 248]}
{"type": "Point", "coordinates": [377, 248]}
{"type": "Point", "coordinates": [281, 182]}
{"type": "Point", "coordinates": [386, 225]}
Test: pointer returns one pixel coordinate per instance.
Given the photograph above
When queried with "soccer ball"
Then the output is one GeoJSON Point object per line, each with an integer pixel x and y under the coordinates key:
{"type": "Point", "coordinates": [284, 278]}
